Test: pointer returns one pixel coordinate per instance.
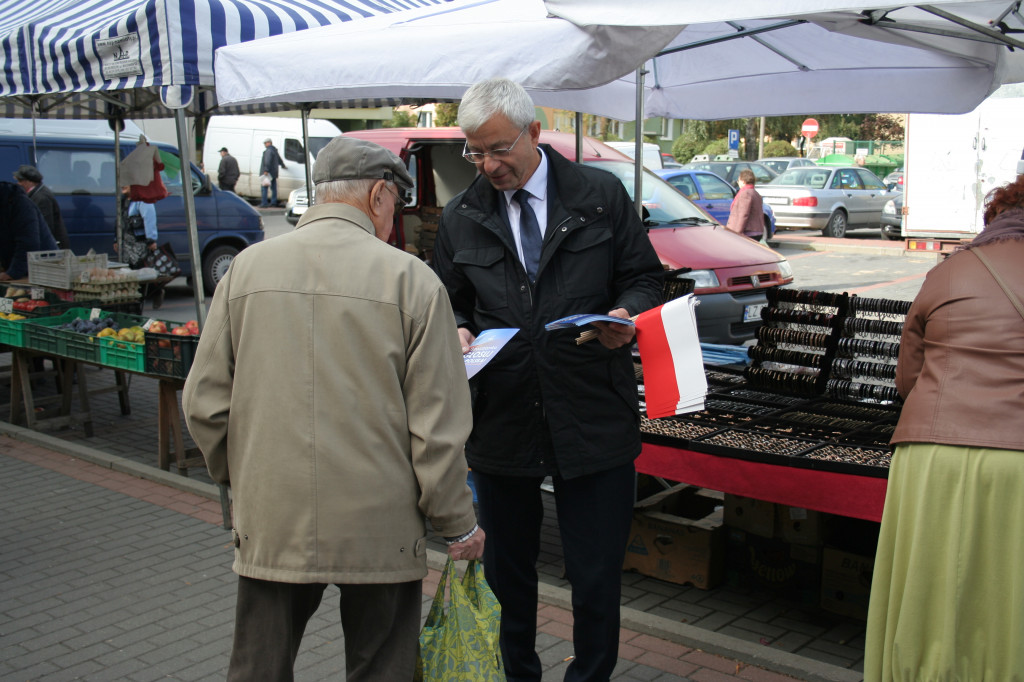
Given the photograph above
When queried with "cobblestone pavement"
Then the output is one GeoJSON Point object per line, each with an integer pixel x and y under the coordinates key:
{"type": "Point", "coordinates": [108, 576]}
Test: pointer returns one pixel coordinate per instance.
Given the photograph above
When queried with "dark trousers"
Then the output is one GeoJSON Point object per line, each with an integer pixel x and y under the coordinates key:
{"type": "Point", "coordinates": [381, 625]}
{"type": "Point", "coordinates": [594, 516]}
{"type": "Point", "coordinates": [226, 187]}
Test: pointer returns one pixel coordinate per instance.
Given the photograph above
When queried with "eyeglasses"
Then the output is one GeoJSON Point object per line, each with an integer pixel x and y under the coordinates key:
{"type": "Point", "coordinates": [478, 157]}
{"type": "Point", "coordinates": [399, 201]}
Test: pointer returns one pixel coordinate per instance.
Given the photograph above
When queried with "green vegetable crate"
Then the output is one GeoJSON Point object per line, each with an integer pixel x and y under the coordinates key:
{"type": "Point", "coordinates": [12, 332]}
{"type": "Point", "coordinates": [45, 334]}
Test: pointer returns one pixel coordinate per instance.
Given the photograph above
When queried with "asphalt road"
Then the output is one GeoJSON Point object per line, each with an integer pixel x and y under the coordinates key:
{"type": "Point", "coordinates": [857, 269]}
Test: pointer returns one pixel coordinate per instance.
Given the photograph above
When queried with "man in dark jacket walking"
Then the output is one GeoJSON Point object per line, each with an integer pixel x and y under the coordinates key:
{"type": "Point", "coordinates": [269, 165]}
{"type": "Point", "coordinates": [546, 406]}
{"type": "Point", "coordinates": [227, 171]}
{"type": "Point", "coordinates": [31, 180]}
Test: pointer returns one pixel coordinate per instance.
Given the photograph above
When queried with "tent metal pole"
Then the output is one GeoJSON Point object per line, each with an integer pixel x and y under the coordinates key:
{"type": "Point", "coordinates": [305, 147]}
{"type": "Point", "coordinates": [579, 137]}
{"type": "Point", "coordinates": [118, 211]}
{"type": "Point", "coordinates": [190, 217]}
{"type": "Point", "coordinates": [638, 168]}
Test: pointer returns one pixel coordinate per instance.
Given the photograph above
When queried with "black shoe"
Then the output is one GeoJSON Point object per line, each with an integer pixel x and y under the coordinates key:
{"type": "Point", "coordinates": [158, 298]}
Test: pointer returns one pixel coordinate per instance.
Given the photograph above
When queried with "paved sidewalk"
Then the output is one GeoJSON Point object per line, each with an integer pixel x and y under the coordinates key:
{"type": "Point", "coordinates": [108, 576]}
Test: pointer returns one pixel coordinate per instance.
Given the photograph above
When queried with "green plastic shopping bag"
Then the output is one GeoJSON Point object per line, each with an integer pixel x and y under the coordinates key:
{"type": "Point", "coordinates": [460, 643]}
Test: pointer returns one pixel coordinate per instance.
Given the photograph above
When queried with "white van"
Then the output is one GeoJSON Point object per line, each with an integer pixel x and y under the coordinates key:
{"type": "Point", "coordinates": [652, 152]}
{"type": "Point", "coordinates": [243, 136]}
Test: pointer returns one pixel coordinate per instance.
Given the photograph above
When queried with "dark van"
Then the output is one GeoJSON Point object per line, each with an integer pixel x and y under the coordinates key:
{"type": "Point", "coordinates": [80, 172]}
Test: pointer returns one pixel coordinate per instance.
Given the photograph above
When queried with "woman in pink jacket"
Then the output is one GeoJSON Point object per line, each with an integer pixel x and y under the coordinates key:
{"type": "Point", "coordinates": [746, 215]}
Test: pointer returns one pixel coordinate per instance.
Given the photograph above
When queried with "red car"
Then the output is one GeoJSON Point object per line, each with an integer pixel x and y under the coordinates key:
{"type": "Point", "coordinates": [731, 272]}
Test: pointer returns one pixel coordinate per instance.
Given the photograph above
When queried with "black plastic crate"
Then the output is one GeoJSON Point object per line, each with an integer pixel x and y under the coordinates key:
{"type": "Point", "coordinates": [170, 355]}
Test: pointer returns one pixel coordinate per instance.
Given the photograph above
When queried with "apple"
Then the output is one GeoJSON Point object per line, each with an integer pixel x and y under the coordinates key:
{"type": "Point", "coordinates": [181, 331]}
{"type": "Point", "coordinates": [158, 327]}
{"type": "Point", "coordinates": [193, 327]}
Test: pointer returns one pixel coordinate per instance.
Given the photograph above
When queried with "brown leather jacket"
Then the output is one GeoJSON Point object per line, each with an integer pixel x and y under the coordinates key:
{"type": "Point", "coordinates": [961, 362]}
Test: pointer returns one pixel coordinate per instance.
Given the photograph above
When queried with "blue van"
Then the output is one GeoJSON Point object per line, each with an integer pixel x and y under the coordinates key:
{"type": "Point", "coordinates": [79, 169]}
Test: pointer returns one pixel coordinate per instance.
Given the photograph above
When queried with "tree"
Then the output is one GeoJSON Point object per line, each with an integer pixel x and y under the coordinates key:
{"type": "Point", "coordinates": [401, 119]}
{"type": "Point", "coordinates": [719, 146]}
{"type": "Point", "coordinates": [881, 127]}
{"type": "Point", "coordinates": [779, 148]}
{"type": "Point", "coordinates": [693, 140]}
{"type": "Point", "coordinates": [446, 113]}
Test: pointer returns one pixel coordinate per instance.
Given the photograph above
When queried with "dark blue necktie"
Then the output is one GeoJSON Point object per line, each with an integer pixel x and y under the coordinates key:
{"type": "Point", "coordinates": [529, 233]}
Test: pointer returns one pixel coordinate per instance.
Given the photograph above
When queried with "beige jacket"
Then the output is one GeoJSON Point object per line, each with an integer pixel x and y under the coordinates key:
{"type": "Point", "coordinates": [329, 392]}
{"type": "Point", "coordinates": [961, 363]}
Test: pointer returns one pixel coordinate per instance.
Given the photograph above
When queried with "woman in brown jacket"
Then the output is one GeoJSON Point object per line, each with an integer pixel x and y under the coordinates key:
{"type": "Point", "coordinates": [947, 597]}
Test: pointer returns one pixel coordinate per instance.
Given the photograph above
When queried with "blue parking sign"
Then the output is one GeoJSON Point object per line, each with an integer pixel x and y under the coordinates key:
{"type": "Point", "coordinates": [734, 139]}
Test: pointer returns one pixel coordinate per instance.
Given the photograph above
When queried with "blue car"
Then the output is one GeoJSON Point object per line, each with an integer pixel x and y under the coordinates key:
{"type": "Point", "coordinates": [711, 193]}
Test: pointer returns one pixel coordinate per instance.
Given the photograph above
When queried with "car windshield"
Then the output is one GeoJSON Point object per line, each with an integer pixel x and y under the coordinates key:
{"type": "Point", "coordinates": [666, 205]}
{"type": "Point", "coordinates": [777, 165]}
{"type": "Point", "coordinates": [316, 144]}
{"type": "Point", "coordinates": [815, 178]}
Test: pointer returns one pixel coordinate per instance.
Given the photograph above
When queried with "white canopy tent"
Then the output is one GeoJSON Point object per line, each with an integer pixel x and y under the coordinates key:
{"type": "Point", "coordinates": [722, 60]}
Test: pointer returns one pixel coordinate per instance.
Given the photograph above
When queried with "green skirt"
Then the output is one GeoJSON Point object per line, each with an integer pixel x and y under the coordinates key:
{"type": "Point", "coordinates": [947, 595]}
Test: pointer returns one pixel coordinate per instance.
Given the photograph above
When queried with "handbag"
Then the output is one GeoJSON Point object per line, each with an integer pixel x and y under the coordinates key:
{"type": "Point", "coordinates": [163, 261]}
{"type": "Point", "coordinates": [460, 644]}
{"type": "Point", "coordinates": [135, 249]}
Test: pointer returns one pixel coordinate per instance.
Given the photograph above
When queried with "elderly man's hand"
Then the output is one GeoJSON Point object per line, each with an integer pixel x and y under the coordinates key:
{"type": "Point", "coordinates": [473, 548]}
{"type": "Point", "coordinates": [612, 335]}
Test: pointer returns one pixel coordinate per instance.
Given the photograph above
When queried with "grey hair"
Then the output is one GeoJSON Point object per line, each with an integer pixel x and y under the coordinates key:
{"type": "Point", "coordinates": [495, 96]}
{"type": "Point", "coordinates": [343, 191]}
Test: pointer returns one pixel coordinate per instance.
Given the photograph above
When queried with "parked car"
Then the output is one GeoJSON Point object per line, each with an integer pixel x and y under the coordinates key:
{"type": "Point", "coordinates": [731, 272]}
{"type": "Point", "coordinates": [669, 161]}
{"type": "Point", "coordinates": [651, 152]}
{"type": "Point", "coordinates": [78, 167]}
{"type": "Point", "coordinates": [730, 170]}
{"type": "Point", "coordinates": [780, 164]}
{"type": "Point", "coordinates": [711, 193]}
{"type": "Point", "coordinates": [832, 199]}
{"type": "Point", "coordinates": [892, 217]}
{"type": "Point", "coordinates": [894, 180]}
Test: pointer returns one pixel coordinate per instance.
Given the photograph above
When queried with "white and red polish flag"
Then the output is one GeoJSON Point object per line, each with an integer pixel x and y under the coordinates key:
{"type": "Point", "coordinates": [674, 380]}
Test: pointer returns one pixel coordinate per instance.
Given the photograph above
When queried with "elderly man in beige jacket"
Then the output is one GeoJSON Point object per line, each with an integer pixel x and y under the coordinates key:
{"type": "Point", "coordinates": [328, 391]}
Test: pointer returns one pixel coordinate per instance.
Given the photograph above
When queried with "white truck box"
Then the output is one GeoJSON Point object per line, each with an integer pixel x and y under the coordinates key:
{"type": "Point", "coordinates": [953, 161]}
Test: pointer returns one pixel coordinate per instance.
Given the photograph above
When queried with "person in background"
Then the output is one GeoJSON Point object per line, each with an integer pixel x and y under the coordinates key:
{"type": "Point", "coordinates": [329, 486]}
{"type": "Point", "coordinates": [947, 596]}
{"type": "Point", "coordinates": [270, 164]}
{"type": "Point", "coordinates": [227, 171]}
{"type": "Point", "coordinates": [155, 289]}
{"type": "Point", "coordinates": [31, 180]}
{"type": "Point", "coordinates": [22, 229]}
{"type": "Point", "coordinates": [535, 238]}
{"type": "Point", "coordinates": [746, 215]}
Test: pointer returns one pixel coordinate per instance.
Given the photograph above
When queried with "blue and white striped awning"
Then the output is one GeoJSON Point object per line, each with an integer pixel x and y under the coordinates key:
{"type": "Point", "coordinates": [91, 58]}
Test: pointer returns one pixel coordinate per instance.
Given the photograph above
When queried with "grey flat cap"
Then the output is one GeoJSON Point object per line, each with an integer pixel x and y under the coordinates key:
{"type": "Point", "coordinates": [268, 140]}
{"type": "Point", "coordinates": [30, 173]}
{"type": "Point", "coordinates": [350, 158]}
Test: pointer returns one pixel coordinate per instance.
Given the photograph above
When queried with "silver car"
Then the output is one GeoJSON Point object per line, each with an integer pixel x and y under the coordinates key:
{"type": "Point", "coordinates": [781, 164]}
{"type": "Point", "coordinates": [830, 199]}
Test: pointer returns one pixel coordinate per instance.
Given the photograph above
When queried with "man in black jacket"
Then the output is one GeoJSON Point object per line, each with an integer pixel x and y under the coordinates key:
{"type": "Point", "coordinates": [269, 166]}
{"type": "Point", "coordinates": [22, 229]}
{"type": "Point", "coordinates": [31, 180]}
{"type": "Point", "coordinates": [227, 171]}
{"type": "Point", "coordinates": [544, 405]}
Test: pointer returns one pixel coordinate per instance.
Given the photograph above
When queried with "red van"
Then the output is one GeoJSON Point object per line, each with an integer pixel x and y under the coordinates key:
{"type": "Point", "coordinates": [731, 271]}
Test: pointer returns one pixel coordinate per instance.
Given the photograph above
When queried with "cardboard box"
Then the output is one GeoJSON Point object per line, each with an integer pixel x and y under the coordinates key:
{"type": "Point", "coordinates": [800, 526]}
{"type": "Point", "coordinates": [677, 536]}
{"type": "Point", "coordinates": [846, 582]}
{"type": "Point", "coordinates": [750, 515]}
{"type": "Point", "coordinates": [789, 570]}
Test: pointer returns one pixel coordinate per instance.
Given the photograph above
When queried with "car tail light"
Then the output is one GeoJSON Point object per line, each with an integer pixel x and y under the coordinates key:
{"type": "Point", "coordinates": [899, 180]}
{"type": "Point", "coordinates": [805, 201]}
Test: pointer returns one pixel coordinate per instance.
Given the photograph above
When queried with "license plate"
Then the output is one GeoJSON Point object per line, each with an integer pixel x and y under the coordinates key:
{"type": "Point", "coordinates": [776, 201]}
{"type": "Point", "coordinates": [752, 313]}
